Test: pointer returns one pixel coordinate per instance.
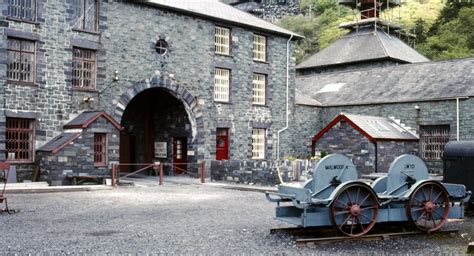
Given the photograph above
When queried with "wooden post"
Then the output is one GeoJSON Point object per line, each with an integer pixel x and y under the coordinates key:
{"type": "Point", "coordinates": [203, 171]}
{"type": "Point", "coordinates": [161, 174]}
{"type": "Point", "coordinates": [113, 175]}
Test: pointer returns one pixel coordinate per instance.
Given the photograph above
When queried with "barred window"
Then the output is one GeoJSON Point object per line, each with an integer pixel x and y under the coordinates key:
{"type": "Point", "coordinates": [259, 47]}
{"type": "Point", "coordinates": [21, 60]}
{"type": "Point", "coordinates": [258, 144]}
{"type": "Point", "coordinates": [22, 9]}
{"type": "Point", "coordinates": [433, 138]}
{"type": "Point", "coordinates": [222, 40]}
{"type": "Point", "coordinates": [100, 149]}
{"type": "Point", "coordinates": [221, 84]}
{"type": "Point", "coordinates": [87, 13]}
{"type": "Point", "coordinates": [19, 140]}
{"type": "Point", "coordinates": [259, 85]}
{"type": "Point", "coordinates": [83, 68]}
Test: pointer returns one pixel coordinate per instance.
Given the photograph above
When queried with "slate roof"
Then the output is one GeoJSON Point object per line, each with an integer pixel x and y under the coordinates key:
{"type": "Point", "coordinates": [373, 128]}
{"type": "Point", "coordinates": [59, 142]}
{"type": "Point", "coordinates": [84, 119]}
{"type": "Point", "coordinates": [364, 45]}
{"type": "Point", "coordinates": [216, 10]}
{"type": "Point", "coordinates": [403, 83]}
{"type": "Point", "coordinates": [302, 99]}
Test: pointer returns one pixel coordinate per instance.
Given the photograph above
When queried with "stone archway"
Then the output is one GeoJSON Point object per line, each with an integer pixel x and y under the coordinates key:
{"type": "Point", "coordinates": [180, 92]}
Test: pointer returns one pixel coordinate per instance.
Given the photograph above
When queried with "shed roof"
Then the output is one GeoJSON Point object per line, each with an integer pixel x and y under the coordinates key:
{"type": "Point", "coordinates": [374, 128]}
{"type": "Point", "coordinates": [86, 118]}
{"type": "Point", "coordinates": [367, 44]}
{"type": "Point", "coordinates": [216, 10]}
{"type": "Point", "coordinates": [59, 142]}
{"type": "Point", "coordinates": [459, 149]}
{"type": "Point", "coordinates": [403, 83]}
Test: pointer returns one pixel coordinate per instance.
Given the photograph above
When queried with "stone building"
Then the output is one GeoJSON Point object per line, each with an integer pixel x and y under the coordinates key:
{"type": "Point", "coordinates": [371, 142]}
{"type": "Point", "coordinates": [186, 80]}
{"type": "Point", "coordinates": [387, 79]}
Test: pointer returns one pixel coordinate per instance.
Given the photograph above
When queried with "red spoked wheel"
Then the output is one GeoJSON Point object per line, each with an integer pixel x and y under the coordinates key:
{"type": "Point", "coordinates": [354, 210]}
{"type": "Point", "coordinates": [428, 206]}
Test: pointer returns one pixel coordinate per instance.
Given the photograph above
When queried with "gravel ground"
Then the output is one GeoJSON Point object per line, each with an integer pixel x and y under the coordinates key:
{"type": "Point", "coordinates": [177, 219]}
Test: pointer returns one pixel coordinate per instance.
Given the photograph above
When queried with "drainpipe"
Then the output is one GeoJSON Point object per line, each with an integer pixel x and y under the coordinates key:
{"type": "Point", "coordinates": [457, 119]}
{"type": "Point", "coordinates": [287, 105]}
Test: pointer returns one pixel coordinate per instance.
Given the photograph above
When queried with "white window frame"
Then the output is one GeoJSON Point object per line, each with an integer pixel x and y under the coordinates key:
{"type": "Point", "coordinates": [258, 143]}
{"type": "Point", "coordinates": [259, 89]}
{"type": "Point", "coordinates": [222, 40]}
{"type": "Point", "coordinates": [222, 85]}
{"type": "Point", "coordinates": [259, 47]}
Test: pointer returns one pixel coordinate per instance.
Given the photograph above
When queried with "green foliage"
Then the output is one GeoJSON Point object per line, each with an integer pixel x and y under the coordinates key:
{"type": "Point", "coordinates": [443, 29]}
{"type": "Point", "coordinates": [452, 36]}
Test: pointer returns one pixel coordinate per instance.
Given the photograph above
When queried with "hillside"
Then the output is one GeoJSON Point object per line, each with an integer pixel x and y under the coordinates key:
{"type": "Point", "coordinates": [443, 30]}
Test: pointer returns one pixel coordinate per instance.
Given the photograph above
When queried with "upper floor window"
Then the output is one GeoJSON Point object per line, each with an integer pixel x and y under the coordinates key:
{"type": "Point", "coordinates": [259, 85]}
{"type": "Point", "coordinates": [259, 47]}
{"type": "Point", "coordinates": [19, 140]}
{"type": "Point", "coordinates": [21, 65]}
{"type": "Point", "coordinates": [433, 138]}
{"type": "Point", "coordinates": [22, 9]}
{"type": "Point", "coordinates": [83, 68]}
{"type": "Point", "coordinates": [258, 144]}
{"type": "Point", "coordinates": [221, 84]}
{"type": "Point", "coordinates": [87, 14]}
{"type": "Point", "coordinates": [100, 149]}
{"type": "Point", "coordinates": [222, 40]}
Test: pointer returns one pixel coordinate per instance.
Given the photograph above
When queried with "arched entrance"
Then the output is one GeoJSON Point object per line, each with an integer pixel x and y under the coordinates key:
{"type": "Point", "coordinates": [160, 124]}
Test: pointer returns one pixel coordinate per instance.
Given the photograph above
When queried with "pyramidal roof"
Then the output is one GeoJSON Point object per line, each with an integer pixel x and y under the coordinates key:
{"type": "Point", "coordinates": [366, 44]}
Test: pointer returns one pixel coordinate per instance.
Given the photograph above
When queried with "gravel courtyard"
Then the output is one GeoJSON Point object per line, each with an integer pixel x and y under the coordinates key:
{"type": "Point", "coordinates": [177, 219]}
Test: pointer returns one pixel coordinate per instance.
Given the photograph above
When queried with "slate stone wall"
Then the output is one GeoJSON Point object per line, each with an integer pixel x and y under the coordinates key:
{"type": "Point", "coordinates": [387, 151]}
{"type": "Point", "coordinates": [78, 157]}
{"type": "Point", "coordinates": [442, 112]}
{"type": "Point", "coordinates": [126, 48]}
{"type": "Point", "coordinates": [344, 139]}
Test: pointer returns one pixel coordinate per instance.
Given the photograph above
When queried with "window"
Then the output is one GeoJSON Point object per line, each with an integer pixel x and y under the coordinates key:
{"type": "Point", "coordinates": [22, 9]}
{"type": "Point", "coordinates": [258, 144]}
{"type": "Point", "coordinates": [161, 47]}
{"type": "Point", "coordinates": [21, 60]}
{"type": "Point", "coordinates": [221, 84]}
{"type": "Point", "coordinates": [433, 138]}
{"type": "Point", "coordinates": [222, 40]}
{"type": "Point", "coordinates": [100, 149]}
{"type": "Point", "coordinates": [87, 12]}
{"type": "Point", "coordinates": [259, 84]}
{"type": "Point", "coordinates": [83, 68]}
{"type": "Point", "coordinates": [259, 48]}
{"type": "Point", "coordinates": [19, 140]}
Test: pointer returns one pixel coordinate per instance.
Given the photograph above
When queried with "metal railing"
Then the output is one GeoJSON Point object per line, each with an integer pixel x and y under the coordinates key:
{"type": "Point", "coordinates": [157, 169]}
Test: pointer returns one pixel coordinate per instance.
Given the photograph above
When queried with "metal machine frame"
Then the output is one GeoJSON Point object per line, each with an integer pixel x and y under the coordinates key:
{"type": "Point", "coordinates": [334, 196]}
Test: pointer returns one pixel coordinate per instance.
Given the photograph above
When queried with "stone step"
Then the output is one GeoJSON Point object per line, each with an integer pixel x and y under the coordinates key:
{"type": "Point", "coordinates": [40, 184]}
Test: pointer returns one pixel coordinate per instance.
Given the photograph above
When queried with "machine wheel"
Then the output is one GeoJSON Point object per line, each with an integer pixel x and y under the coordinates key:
{"type": "Point", "coordinates": [428, 206]}
{"type": "Point", "coordinates": [354, 210]}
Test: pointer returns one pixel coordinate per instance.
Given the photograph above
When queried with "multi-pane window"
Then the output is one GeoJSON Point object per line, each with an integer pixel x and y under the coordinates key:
{"type": "Point", "coordinates": [22, 9]}
{"type": "Point", "coordinates": [222, 40]}
{"type": "Point", "coordinates": [87, 13]}
{"type": "Point", "coordinates": [19, 140]}
{"type": "Point", "coordinates": [259, 84]}
{"type": "Point", "coordinates": [259, 47]}
{"type": "Point", "coordinates": [221, 84]}
{"type": "Point", "coordinates": [258, 143]}
{"type": "Point", "coordinates": [433, 138]}
{"type": "Point", "coordinates": [83, 68]}
{"type": "Point", "coordinates": [100, 149]}
{"type": "Point", "coordinates": [21, 60]}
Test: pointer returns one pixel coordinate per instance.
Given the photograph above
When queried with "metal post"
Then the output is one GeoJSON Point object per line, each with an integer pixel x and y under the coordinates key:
{"type": "Point", "coordinates": [161, 174]}
{"type": "Point", "coordinates": [203, 171]}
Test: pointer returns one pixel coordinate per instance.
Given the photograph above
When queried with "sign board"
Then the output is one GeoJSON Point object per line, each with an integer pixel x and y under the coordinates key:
{"type": "Point", "coordinates": [161, 150]}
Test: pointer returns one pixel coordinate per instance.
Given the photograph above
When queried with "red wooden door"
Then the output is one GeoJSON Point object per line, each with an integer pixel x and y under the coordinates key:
{"type": "Point", "coordinates": [222, 144]}
{"type": "Point", "coordinates": [179, 155]}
